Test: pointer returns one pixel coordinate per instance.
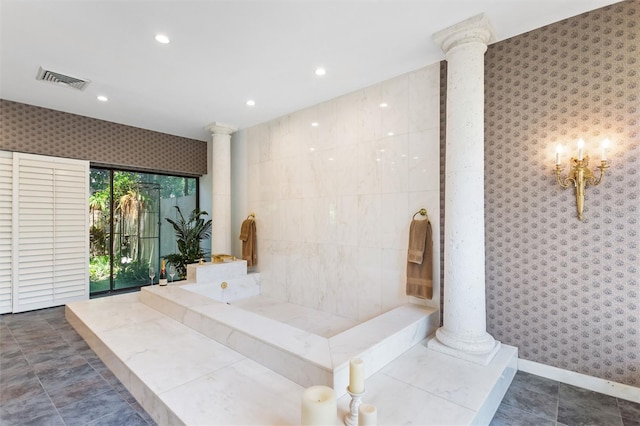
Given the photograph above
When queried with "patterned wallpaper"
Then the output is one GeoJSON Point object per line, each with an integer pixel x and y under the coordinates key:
{"type": "Point", "coordinates": [35, 130]}
{"type": "Point", "coordinates": [564, 291]}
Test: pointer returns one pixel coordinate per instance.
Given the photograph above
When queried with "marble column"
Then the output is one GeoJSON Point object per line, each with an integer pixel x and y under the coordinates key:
{"type": "Point", "coordinates": [221, 232]}
{"type": "Point", "coordinates": [464, 325]}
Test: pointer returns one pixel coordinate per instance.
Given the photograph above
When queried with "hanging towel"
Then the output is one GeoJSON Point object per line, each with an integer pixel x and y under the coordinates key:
{"type": "Point", "coordinates": [420, 260]}
{"type": "Point", "coordinates": [249, 242]}
{"type": "Point", "coordinates": [417, 240]}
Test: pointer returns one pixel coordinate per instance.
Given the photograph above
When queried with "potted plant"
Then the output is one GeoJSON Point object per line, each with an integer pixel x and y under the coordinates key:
{"type": "Point", "coordinates": [189, 234]}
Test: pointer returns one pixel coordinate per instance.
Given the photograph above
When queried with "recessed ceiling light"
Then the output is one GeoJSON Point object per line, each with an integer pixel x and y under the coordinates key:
{"type": "Point", "coordinates": [384, 105]}
{"type": "Point", "coordinates": [312, 149]}
{"type": "Point", "coordinates": [161, 38]}
{"type": "Point", "coordinates": [315, 124]}
{"type": "Point", "coordinates": [102, 98]}
{"type": "Point", "coordinates": [390, 134]}
{"type": "Point", "coordinates": [320, 71]}
{"type": "Point", "coordinates": [251, 102]}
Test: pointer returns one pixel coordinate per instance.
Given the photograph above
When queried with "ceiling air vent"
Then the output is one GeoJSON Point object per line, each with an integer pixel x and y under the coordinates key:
{"type": "Point", "coordinates": [65, 80]}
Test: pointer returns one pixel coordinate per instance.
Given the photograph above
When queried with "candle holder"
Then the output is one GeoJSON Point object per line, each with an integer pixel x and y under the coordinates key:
{"type": "Point", "coordinates": [579, 176]}
{"type": "Point", "coordinates": [351, 418]}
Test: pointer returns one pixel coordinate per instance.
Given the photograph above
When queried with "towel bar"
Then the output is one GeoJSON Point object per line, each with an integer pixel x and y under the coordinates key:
{"type": "Point", "coordinates": [421, 212]}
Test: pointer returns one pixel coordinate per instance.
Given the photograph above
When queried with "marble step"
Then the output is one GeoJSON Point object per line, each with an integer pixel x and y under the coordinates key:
{"type": "Point", "coordinates": [178, 375]}
{"type": "Point", "coordinates": [182, 377]}
{"type": "Point", "coordinates": [303, 357]}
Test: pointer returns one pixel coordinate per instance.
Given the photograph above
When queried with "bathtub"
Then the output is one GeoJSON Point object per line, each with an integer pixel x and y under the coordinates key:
{"type": "Point", "coordinates": [303, 357]}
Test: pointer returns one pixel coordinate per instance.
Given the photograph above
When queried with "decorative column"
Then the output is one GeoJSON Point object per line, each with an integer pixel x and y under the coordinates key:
{"type": "Point", "coordinates": [464, 333]}
{"type": "Point", "coordinates": [221, 187]}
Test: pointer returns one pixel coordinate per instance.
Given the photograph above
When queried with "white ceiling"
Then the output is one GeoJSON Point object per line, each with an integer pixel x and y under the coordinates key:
{"type": "Point", "coordinates": [223, 53]}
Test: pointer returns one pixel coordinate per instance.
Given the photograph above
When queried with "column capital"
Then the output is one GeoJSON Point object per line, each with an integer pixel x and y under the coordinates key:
{"type": "Point", "coordinates": [221, 128]}
{"type": "Point", "coordinates": [475, 29]}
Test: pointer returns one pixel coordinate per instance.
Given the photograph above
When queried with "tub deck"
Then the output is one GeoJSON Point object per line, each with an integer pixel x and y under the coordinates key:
{"type": "Point", "coordinates": [181, 376]}
{"type": "Point", "coordinates": [301, 356]}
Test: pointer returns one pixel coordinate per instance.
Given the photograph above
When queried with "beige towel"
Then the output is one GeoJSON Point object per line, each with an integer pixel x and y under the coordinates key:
{"type": "Point", "coordinates": [249, 242]}
{"type": "Point", "coordinates": [420, 260]}
{"type": "Point", "coordinates": [417, 240]}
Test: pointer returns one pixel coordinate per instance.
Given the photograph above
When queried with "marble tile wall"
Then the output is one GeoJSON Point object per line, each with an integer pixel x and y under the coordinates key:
{"type": "Point", "coordinates": [334, 201]}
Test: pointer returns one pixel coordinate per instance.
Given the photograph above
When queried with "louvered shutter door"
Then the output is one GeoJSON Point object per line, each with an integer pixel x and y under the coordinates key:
{"type": "Point", "coordinates": [71, 234]}
{"type": "Point", "coordinates": [52, 239]}
{"type": "Point", "coordinates": [6, 231]}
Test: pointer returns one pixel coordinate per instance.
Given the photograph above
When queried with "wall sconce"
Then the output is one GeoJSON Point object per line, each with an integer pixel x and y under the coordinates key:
{"type": "Point", "coordinates": [579, 174]}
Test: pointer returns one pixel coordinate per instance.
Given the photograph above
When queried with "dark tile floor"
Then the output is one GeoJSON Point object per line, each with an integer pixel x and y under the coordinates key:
{"type": "Point", "coordinates": [49, 376]}
{"type": "Point", "coordinates": [536, 401]}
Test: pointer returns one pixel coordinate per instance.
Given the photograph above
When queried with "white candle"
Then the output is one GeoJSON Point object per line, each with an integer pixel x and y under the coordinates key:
{"type": "Point", "coordinates": [319, 406]}
{"type": "Point", "coordinates": [580, 146]}
{"type": "Point", "coordinates": [558, 152]}
{"type": "Point", "coordinates": [356, 376]}
{"type": "Point", "coordinates": [367, 415]}
{"type": "Point", "coordinates": [605, 145]}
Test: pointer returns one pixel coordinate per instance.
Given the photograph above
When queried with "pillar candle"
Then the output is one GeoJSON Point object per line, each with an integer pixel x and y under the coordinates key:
{"type": "Point", "coordinates": [356, 376]}
{"type": "Point", "coordinates": [319, 406]}
{"type": "Point", "coordinates": [367, 415]}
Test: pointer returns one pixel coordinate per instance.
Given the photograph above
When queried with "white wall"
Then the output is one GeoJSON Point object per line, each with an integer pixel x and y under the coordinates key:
{"type": "Point", "coordinates": [239, 209]}
{"type": "Point", "coordinates": [333, 203]}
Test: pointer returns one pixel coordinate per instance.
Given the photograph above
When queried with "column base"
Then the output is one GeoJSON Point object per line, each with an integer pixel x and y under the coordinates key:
{"type": "Point", "coordinates": [483, 358]}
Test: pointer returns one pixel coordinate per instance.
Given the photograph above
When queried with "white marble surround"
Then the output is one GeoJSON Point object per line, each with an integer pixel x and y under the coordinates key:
{"type": "Point", "coordinates": [182, 377]}
{"type": "Point", "coordinates": [224, 282]}
{"type": "Point", "coordinates": [214, 272]}
{"type": "Point", "coordinates": [302, 356]}
{"type": "Point", "coordinates": [334, 202]}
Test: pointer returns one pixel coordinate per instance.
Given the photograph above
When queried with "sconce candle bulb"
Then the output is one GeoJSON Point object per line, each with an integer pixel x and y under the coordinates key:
{"type": "Point", "coordinates": [579, 174]}
{"type": "Point", "coordinates": [558, 152]}
{"type": "Point", "coordinates": [605, 145]}
{"type": "Point", "coordinates": [580, 147]}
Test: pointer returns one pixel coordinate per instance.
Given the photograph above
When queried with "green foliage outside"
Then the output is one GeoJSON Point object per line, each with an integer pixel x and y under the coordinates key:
{"type": "Point", "coordinates": [130, 201]}
{"type": "Point", "coordinates": [99, 271]}
{"type": "Point", "coordinates": [136, 271]}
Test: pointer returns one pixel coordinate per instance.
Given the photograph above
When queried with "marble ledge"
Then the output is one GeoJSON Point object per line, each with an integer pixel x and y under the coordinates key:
{"type": "Point", "coordinates": [208, 271]}
{"type": "Point", "coordinates": [301, 356]}
{"type": "Point", "coordinates": [221, 322]}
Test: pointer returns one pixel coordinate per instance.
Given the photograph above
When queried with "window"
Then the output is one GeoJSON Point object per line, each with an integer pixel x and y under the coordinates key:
{"type": "Point", "coordinates": [128, 230]}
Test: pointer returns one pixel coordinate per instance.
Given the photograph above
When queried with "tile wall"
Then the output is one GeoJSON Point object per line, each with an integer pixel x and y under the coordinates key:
{"type": "Point", "coordinates": [334, 200]}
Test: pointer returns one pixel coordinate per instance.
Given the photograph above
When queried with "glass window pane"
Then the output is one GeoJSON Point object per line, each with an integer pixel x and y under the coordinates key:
{"type": "Point", "coordinates": [141, 235]}
{"type": "Point", "coordinates": [99, 230]}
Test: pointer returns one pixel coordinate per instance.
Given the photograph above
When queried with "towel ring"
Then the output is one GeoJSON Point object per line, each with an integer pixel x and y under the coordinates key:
{"type": "Point", "coordinates": [421, 212]}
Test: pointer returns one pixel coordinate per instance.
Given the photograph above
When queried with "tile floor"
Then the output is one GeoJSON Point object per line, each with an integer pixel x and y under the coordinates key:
{"type": "Point", "coordinates": [49, 376]}
{"type": "Point", "coordinates": [537, 401]}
